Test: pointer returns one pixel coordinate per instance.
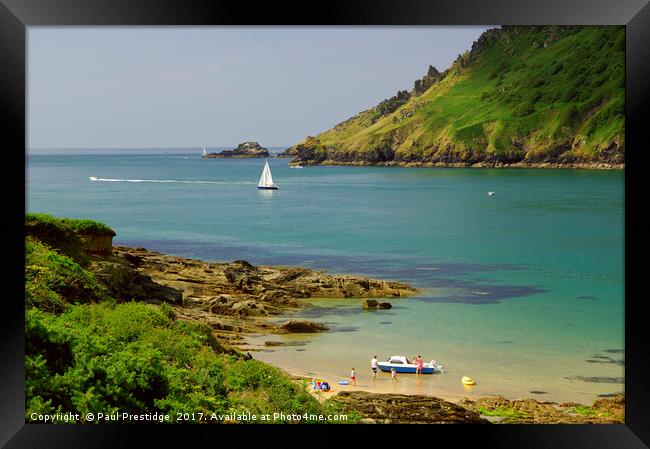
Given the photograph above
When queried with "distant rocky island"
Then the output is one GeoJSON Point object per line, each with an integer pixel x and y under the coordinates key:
{"type": "Point", "coordinates": [243, 150]}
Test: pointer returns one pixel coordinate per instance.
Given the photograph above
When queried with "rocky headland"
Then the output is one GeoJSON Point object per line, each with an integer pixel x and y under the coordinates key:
{"type": "Point", "coordinates": [234, 298]}
{"type": "Point", "coordinates": [521, 96]}
{"type": "Point", "coordinates": [243, 150]}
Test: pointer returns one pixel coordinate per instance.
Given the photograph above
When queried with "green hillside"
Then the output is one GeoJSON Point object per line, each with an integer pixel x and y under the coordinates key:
{"type": "Point", "coordinates": [88, 353]}
{"type": "Point", "coordinates": [521, 95]}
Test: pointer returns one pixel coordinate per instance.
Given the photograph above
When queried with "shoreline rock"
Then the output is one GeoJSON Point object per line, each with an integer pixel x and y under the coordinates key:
{"type": "Point", "coordinates": [483, 164]}
{"type": "Point", "coordinates": [378, 408]}
{"type": "Point", "coordinates": [303, 326]}
{"type": "Point", "coordinates": [532, 411]}
{"type": "Point", "coordinates": [233, 298]}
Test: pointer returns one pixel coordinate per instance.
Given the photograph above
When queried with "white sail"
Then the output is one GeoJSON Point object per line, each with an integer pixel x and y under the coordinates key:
{"type": "Point", "coordinates": [205, 152]}
{"type": "Point", "coordinates": [266, 180]}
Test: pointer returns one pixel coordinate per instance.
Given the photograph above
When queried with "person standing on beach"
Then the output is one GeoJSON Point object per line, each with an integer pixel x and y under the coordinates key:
{"type": "Point", "coordinates": [419, 365]}
{"type": "Point", "coordinates": [393, 375]}
{"type": "Point", "coordinates": [373, 367]}
{"type": "Point", "coordinates": [353, 378]}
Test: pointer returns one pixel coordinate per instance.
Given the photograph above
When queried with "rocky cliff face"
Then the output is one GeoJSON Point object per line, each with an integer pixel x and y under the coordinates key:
{"type": "Point", "coordinates": [127, 284]}
{"type": "Point", "coordinates": [522, 96]}
{"type": "Point", "coordinates": [97, 244]}
{"type": "Point", "coordinates": [243, 150]}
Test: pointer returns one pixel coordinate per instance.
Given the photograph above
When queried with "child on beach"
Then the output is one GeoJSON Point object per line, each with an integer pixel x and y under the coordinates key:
{"type": "Point", "coordinates": [393, 374]}
{"type": "Point", "coordinates": [353, 378]}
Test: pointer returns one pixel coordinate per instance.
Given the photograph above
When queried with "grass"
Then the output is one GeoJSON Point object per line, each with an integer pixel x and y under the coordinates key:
{"type": "Point", "coordinates": [585, 411]}
{"type": "Point", "coordinates": [65, 234]}
{"type": "Point", "coordinates": [522, 93]}
{"type": "Point", "coordinates": [66, 225]}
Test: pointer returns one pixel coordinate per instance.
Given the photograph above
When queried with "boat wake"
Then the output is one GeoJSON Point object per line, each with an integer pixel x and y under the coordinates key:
{"type": "Point", "coordinates": [177, 181]}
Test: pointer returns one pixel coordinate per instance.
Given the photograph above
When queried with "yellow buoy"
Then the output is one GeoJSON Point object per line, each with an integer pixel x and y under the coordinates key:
{"type": "Point", "coordinates": [466, 380]}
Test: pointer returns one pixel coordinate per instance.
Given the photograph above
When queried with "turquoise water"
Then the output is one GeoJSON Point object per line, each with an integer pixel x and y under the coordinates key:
{"type": "Point", "coordinates": [522, 290]}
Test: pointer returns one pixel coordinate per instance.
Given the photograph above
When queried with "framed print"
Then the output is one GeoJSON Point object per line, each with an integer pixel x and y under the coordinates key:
{"type": "Point", "coordinates": [424, 213]}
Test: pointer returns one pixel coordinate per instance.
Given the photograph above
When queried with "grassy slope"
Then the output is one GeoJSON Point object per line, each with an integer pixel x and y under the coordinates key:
{"type": "Point", "coordinates": [65, 234]}
{"type": "Point", "coordinates": [84, 352]}
{"type": "Point", "coordinates": [509, 99]}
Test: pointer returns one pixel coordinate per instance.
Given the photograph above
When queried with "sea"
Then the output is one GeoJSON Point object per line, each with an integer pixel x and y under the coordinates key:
{"type": "Point", "coordinates": [522, 290]}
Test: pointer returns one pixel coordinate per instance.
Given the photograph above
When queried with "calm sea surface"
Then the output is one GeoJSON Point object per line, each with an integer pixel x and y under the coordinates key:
{"type": "Point", "coordinates": [523, 290]}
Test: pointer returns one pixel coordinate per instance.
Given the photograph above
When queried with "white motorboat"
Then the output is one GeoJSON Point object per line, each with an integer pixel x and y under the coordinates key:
{"type": "Point", "coordinates": [404, 365]}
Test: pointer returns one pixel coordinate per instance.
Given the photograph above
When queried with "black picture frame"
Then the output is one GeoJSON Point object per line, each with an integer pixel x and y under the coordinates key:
{"type": "Point", "coordinates": [17, 15]}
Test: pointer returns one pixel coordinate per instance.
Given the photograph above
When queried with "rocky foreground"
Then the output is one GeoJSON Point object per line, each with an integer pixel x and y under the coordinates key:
{"type": "Point", "coordinates": [376, 408]}
{"type": "Point", "coordinates": [531, 411]}
{"type": "Point", "coordinates": [405, 409]}
{"type": "Point", "coordinates": [234, 298]}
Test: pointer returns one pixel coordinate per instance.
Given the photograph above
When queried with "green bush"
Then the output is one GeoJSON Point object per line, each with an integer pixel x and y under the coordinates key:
{"type": "Point", "coordinates": [276, 393]}
{"type": "Point", "coordinates": [53, 281]}
{"type": "Point", "coordinates": [133, 357]}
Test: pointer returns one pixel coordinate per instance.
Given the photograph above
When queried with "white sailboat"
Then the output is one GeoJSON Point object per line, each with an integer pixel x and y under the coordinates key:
{"type": "Point", "coordinates": [205, 151]}
{"type": "Point", "coordinates": [266, 180]}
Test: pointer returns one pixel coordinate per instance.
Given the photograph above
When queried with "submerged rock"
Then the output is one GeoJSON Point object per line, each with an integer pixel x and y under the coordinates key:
{"type": "Point", "coordinates": [373, 304]}
{"type": "Point", "coordinates": [303, 326]}
{"type": "Point", "coordinates": [284, 343]}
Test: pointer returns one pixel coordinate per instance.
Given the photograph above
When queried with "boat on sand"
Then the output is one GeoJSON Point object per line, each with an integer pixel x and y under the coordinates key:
{"type": "Point", "coordinates": [405, 365]}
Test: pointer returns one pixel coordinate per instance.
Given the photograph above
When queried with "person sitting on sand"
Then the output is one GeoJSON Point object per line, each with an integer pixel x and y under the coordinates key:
{"type": "Point", "coordinates": [393, 375]}
{"type": "Point", "coordinates": [353, 378]}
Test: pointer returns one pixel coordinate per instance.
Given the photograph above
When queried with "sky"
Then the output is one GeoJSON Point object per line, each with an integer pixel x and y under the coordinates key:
{"type": "Point", "coordinates": [184, 87]}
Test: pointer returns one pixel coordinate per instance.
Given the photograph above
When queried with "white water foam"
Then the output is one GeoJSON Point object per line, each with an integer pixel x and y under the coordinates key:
{"type": "Point", "coordinates": [92, 178]}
